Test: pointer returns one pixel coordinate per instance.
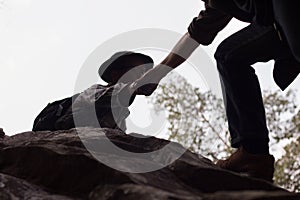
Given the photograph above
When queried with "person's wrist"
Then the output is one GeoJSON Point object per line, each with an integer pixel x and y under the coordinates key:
{"type": "Point", "coordinates": [160, 71]}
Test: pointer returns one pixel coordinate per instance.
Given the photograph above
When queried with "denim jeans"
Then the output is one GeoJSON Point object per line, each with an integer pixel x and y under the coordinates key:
{"type": "Point", "coordinates": [241, 90]}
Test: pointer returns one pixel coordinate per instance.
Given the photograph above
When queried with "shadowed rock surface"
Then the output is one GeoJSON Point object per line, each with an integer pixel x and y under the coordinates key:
{"type": "Point", "coordinates": [14, 188]}
{"type": "Point", "coordinates": [56, 165]}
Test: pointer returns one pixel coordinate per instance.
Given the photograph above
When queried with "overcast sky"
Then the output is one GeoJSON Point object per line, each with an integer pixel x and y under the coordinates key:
{"type": "Point", "coordinates": [44, 44]}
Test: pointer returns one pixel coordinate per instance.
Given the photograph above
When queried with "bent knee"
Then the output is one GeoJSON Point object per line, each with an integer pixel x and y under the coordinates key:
{"type": "Point", "coordinates": [223, 58]}
{"type": "Point", "coordinates": [220, 54]}
{"type": "Point", "coordinates": [225, 54]}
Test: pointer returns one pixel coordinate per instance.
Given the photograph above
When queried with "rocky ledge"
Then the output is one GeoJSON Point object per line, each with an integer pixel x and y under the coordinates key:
{"type": "Point", "coordinates": [56, 165]}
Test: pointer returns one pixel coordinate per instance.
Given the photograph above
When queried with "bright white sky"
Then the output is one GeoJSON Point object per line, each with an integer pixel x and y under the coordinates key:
{"type": "Point", "coordinates": [44, 44]}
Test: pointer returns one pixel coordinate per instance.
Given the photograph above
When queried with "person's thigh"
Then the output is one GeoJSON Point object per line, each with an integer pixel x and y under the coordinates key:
{"type": "Point", "coordinates": [252, 44]}
{"type": "Point", "coordinates": [287, 14]}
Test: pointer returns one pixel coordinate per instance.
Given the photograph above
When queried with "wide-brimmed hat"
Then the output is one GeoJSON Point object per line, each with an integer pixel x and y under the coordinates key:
{"type": "Point", "coordinates": [124, 60]}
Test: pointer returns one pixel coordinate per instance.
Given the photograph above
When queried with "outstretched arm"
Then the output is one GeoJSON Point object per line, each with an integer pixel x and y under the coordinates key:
{"type": "Point", "coordinates": [182, 50]}
{"type": "Point", "coordinates": [202, 30]}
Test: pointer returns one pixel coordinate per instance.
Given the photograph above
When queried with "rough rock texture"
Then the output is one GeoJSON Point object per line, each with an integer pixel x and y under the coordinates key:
{"type": "Point", "coordinates": [14, 188]}
{"type": "Point", "coordinates": [51, 164]}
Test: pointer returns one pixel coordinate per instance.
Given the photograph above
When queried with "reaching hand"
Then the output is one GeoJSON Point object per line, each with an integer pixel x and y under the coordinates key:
{"type": "Point", "coordinates": [144, 89]}
{"type": "Point", "coordinates": [148, 83]}
{"type": "Point", "coordinates": [144, 85]}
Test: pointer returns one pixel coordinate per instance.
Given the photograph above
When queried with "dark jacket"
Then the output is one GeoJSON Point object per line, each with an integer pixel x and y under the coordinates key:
{"type": "Point", "coordinates": [217, 15]}
{"type": "Point", "coordinates": [260, 10]}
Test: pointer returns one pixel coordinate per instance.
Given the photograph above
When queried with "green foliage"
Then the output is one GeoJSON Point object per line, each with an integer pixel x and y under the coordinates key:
{"type": "Point", "coordinates": [280, 109]}
{"type": "Point", "coordinates": [288, 167]}
{"type": "Point", "coordinates": [197, 120]}
{"type": "Point", "coordinates": [287, 172]}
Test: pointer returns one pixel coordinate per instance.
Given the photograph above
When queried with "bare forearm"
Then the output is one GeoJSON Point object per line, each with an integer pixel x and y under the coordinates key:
{"type": "Point", "coordinates": [181, 51]}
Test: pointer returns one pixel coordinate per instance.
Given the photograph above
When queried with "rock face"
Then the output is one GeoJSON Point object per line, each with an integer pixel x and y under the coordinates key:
{"type": "Point", "coordinates": [14, 188]}
{"type": "Point", "coordinates": [56, 165]}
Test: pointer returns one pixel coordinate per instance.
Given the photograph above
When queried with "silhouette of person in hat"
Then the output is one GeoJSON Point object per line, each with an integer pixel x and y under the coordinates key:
{"type": "Point", "coordinates": [109, 102]}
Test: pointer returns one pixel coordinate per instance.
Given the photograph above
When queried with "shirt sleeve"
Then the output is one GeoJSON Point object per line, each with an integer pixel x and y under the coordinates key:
{"type": "Point", "coordinates": [208, 24]}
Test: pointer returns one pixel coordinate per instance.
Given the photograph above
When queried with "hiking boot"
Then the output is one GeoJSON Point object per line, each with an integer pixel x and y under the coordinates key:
{"type": "Point", "coordinates": [254, 165]}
